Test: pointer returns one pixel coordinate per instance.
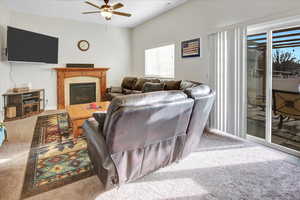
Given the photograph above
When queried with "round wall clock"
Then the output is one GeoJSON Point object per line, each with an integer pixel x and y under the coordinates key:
{"type": "Point", "coordinates": [83, 45]}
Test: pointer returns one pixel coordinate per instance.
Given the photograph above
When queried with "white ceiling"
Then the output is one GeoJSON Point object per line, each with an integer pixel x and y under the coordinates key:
{"type": "Point", "coordinates": [141, 10]}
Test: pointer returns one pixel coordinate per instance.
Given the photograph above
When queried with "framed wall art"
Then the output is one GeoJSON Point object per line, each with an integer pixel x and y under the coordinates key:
{"type": "Point", "coordinates": [190, 48]}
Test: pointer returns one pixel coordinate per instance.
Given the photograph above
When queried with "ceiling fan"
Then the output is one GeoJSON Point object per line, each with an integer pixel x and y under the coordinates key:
{"type": "Point", "coordinates": [107, 10]}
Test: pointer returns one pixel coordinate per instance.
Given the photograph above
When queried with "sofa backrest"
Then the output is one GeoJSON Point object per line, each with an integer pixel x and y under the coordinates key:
{"type": "Point", "coordinates": [129, 82]}
{"type": "Point", "coordinates": [134, 83]}
{"type": "Point", "coordinates": [141, 81]}
{"type": "Point", "coordinates": [204, 99]}
{"type": "Point", "coordinates": [146, 118]}
{"type": "Point", "coordinates": [145, 132]}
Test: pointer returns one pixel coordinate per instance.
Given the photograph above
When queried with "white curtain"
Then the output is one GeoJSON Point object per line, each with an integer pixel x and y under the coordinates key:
{"type": "Point", "coordinates": [227, 76]}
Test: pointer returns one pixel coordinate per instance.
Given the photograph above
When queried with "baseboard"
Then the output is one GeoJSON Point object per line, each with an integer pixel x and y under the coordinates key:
{"type": "Point", "coordinates": [273, 145]}
{"type": "Point", "coordinates": [257, 140]}
{"type": "Point", "coordinates": [222, 133]}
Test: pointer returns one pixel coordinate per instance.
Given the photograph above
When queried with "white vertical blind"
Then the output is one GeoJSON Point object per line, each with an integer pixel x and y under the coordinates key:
{"type": "Point", "coordinates": [159, 62]}
{"type": "Point", "coordinates": [227, 77]}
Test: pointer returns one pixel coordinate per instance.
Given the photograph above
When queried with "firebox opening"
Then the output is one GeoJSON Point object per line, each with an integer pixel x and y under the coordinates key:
{"type": "Point", "coordinates": [82, 93]}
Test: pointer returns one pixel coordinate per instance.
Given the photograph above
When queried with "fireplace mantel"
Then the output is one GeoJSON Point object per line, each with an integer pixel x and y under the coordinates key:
{"type": "Point", "coordinates": [64, 73]}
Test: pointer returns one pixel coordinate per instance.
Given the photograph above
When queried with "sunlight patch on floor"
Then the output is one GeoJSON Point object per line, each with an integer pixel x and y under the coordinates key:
{"type": "Point", "coordinates": [238, 156]}
{"type": "Point", "coordinates": [172, 189]}
{"type": "Point", "coordinates": [6, 159]}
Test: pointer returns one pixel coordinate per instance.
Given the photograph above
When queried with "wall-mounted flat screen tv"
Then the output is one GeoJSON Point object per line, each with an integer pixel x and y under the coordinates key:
{"type": "Point", "coordinates": [26, 46]}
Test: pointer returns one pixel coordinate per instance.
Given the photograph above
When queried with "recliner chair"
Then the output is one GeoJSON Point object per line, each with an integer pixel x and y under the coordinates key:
{"type": "Point", "coordinates": [144, 132]}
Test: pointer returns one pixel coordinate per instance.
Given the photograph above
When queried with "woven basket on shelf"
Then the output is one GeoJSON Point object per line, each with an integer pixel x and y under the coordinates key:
{"type": "Point", "coordinates": [11, 112]}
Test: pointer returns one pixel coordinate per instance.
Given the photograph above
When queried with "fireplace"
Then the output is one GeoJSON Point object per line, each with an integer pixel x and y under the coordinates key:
{"type": "Point", "coordinates": [82, 93]}
{"type": "Point", "coordinates": [68, 76]}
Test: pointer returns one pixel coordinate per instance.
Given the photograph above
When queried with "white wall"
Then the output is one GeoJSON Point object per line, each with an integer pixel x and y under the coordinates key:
{"type": "Point", "coordinates": [4, 67]}
{"type": "Point", "coordinates": [198, 18]}
{"type": "Point", "coordinates": [109, 47]}
{"type": "Point", "coordinates": [122, 49]}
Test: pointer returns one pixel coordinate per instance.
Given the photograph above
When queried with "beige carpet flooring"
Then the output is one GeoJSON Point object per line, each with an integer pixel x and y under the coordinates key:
{"type": "Point", "coordinates": [223, 168]}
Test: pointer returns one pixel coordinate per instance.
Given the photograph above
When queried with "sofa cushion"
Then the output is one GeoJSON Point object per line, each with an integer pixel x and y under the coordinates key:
{"type": "Point", "coordinates": [129, 82]}
{"type": "Point", "coordinates": [127, 91]}
{"type": "Point", "coordinates": [111, 95]}
{"type": "Point", "coordinates": [116, 89]}
{"type": "Point", "coordinates": [187, 84]}
{"type": "Point", "coordinates": [141, 81]}
{"type": "Point", "coordinates": [198, 91]}
{"type": "Point", "coordinates": [136, 92]}
{"type": "Point", "coordinates": [153, 87]}
{"type": "Point", "coordinates": [172, 85]}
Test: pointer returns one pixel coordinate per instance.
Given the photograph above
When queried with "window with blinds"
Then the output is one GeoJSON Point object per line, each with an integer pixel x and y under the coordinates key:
{"type": "Point", "coordinates": [160, 62]}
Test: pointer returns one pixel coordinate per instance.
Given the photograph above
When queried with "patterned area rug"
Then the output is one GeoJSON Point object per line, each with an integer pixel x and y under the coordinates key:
{"type": "Point", "coordinates": [54, 159]}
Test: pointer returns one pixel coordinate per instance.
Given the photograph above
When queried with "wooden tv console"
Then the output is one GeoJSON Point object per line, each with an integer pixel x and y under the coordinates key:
{"type": "Point", "coordinates": [19, 105]}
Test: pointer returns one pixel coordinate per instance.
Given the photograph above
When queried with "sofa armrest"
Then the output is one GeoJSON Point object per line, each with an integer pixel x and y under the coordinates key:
{"type": "Point", "coordinates": [116, 89]}
{"type": "Point", "coordinates": [100, 118]}
{"type": "Point", "coordinates": [108, 90]}
{"type": "Point", "coordinates": [99, 155]}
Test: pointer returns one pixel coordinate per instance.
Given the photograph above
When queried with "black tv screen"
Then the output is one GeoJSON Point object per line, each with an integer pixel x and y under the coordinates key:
{"type": "Point", "coordinates": [26, 46]}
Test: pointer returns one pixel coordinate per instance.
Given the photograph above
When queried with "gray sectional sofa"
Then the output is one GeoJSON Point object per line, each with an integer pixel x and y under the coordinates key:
{"type": "Point", "coordinates": [141, 133]}
{"type": "Point", "coordinates": [134, 85]}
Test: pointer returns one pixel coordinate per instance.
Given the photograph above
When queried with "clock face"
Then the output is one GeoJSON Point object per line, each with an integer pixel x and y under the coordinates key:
{"type": "Point", "coordinates": [83, 45]}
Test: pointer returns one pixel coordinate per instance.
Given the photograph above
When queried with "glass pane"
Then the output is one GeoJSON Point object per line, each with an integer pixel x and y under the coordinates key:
{"type": "Point", "coordinates": [159, 62]}
{"type": "Point", "coordinates": [286, 88]}
{"type": "Point", "coordinates": [256, 83]}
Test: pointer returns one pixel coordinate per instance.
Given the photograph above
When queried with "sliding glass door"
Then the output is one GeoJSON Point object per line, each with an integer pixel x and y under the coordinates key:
{"type": "Point", "coordinates": [256, 84]}
{"type": "Point", "coordinates": [286, 88]}
{"type": "Point", "coordinates": [273, 86]}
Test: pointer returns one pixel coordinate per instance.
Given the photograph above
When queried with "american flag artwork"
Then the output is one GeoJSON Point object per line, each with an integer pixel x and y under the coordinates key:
{"type": "Point", "coordinates": [190, 48]}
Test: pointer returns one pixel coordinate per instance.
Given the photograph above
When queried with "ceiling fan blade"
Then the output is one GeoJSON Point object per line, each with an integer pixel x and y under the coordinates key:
{"type": "Point", "coordinates": [91, 12]}
{"type": "Point", "coordinates": [121, 13]}
{"type": "Point", "coordinates": [94, 5]}
{"type": "Point", "coordinates": [117, 6]}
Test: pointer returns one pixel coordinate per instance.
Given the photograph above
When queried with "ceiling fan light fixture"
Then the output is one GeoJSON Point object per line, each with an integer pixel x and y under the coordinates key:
{"type": "Point", "coordinates": [107, 11]}
{"type": "Point", "coordinates": [106, 14]}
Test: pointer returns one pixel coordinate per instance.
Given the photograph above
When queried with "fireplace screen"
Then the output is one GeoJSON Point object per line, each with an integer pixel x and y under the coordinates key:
{"type": "Point", "coordinates": [82, 93]}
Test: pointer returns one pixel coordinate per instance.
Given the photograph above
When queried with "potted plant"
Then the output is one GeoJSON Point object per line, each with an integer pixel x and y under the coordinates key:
{"type": "Point", "coordinates": [3, 134]}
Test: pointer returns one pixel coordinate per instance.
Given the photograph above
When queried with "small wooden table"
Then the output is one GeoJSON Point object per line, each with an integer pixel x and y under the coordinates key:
{"type": "Point", "coordinates": [81, 112]}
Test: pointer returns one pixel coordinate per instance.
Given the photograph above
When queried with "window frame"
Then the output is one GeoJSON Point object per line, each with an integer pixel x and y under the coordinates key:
{"type": "Point", "coordinates": [172, 74]}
